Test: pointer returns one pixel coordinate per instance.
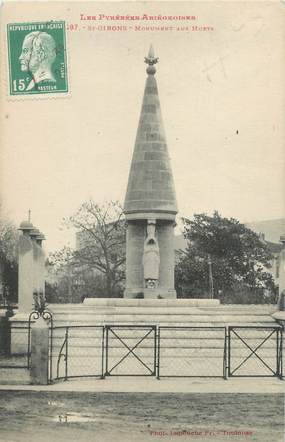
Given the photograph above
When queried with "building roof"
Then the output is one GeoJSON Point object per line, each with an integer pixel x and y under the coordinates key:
{"type": "Point", "coordinates": [274, 247]}
{"type": "Point", "coordinates": [150, 186]}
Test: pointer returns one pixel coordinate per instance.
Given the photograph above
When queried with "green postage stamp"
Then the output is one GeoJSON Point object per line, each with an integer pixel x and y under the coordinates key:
{"type": "Point", "coordinates": [37, 58]}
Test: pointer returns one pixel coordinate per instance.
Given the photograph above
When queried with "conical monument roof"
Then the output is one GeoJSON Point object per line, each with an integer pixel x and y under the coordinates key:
{"type": "Point", "coordinates": [150, 186]}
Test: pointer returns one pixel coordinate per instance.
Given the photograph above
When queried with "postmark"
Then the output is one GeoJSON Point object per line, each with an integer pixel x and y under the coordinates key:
{"type": "Point", "coordinates": [37, 58]}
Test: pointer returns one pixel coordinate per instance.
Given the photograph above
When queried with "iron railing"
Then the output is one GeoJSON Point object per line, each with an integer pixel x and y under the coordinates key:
{"type": "Point", "coordinates": [131, 350]}
{"type": "Point", "coordinates": [255, 351]}
{"type": "Point", "coordinates": [164, 351]}
{"type": "Point", "coordinates": [140, 350]}
{"type": "Point", "coordinates": [78, 351]}
{"type": "Point", "coordinates": [150, 350]}
{"type": "Point", "coordinates": [185, 351]}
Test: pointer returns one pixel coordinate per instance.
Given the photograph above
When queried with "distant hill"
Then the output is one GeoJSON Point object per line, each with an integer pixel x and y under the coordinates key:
{"type": "Point", "coordinates": [272, 229]}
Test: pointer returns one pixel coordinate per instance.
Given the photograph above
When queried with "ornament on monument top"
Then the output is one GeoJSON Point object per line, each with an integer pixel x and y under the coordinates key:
{"type": "Point", "coordinates": [26, 226]}
{"type": "Point", "coordinates": [34, 233]}
{"type": "Point", "coordinates": [41, 236]}
{"type": "Point", "coordinates": [151, 60]}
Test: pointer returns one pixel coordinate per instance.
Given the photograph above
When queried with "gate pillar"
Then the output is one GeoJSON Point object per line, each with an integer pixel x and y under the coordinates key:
{"type": "Point", "coordinates": [39, 352]}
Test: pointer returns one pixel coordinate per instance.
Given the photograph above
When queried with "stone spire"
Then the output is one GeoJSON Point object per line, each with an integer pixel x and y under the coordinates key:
{"type": "Point", "coordinates": [150, 187]}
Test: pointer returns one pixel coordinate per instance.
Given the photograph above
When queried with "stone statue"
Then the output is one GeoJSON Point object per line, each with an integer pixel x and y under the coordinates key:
{"type": "Point", "coordinates": [151, 257]}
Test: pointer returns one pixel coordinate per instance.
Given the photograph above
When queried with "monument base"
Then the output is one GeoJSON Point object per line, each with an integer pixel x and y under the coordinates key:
{"type": "Point", "coordinates": [279, 316]}
{"type": "Point", "coordinates": [155, 293]}
{"type": "Point", "coordinates": [139, 303]}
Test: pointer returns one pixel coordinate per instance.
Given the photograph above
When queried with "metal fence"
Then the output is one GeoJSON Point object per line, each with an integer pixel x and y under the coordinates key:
{"type": "Point", "coordinates": [148, 350]}
{"type": "Point", "coordinates": [166, 351]}
{"type": "Point", "coordinates": [131, 350]}
{"type": "Point", "coordinates": [77, 351]}
{"type": "Point", "coordinates": [191, 352]}
{"type": "Point", "coordinates": [255, 351]}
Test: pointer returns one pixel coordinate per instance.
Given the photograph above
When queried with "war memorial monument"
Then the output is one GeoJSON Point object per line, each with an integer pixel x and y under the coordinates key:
{"type": "Point", "coordinates": [150, 205]}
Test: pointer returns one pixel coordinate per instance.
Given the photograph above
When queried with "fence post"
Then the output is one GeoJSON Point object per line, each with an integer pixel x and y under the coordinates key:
{"type": "Point", "coordinates": [226, 350]}
{"type": "Point", "coordinates": [39, 352]}
{"type": "Point", "coordinates": [107, 350]}
{"type": "Point", "coordinates": [5, 333]}
{"type": "Point", "coordinates": [229, 352]}
{"type": "Point", "coordinates": [281, 352]}
{"type": "Point", "coordinates": [103, 346]}
{"type": "Point", "coordinates": [66, 353]}
{"type": "Point", "coordinates": [158, 354]}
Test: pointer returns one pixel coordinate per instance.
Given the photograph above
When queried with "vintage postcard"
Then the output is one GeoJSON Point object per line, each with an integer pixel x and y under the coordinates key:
{"type": "Point", "coordinates": [142, 224]}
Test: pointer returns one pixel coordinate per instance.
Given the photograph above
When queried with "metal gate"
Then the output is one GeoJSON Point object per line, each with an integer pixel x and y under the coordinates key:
{"type": "Point", "coordinates": [77, 351]}
{"type": "Point", "coordinates": [130, 350]}
{"type": "Point", "coordinates": [255, 351]}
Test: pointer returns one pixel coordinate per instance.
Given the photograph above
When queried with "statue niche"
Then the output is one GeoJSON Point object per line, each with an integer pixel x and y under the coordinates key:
{"type": "Point", "coordinates": [151, 258]}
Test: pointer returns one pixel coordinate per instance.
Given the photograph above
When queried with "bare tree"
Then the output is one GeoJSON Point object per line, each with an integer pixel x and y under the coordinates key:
{"type": "Point", "coordinates": [100, 237]}
{"type": "Point", "coordinates": [8, 258]}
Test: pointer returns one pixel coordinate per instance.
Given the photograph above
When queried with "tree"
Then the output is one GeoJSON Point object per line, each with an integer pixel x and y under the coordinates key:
{"type": "Point", "coordinates": [239, 258]}
{"type": "Point", "coordinates": [8, 259]}
{"type": "Point", "coordinates": [100, 245]}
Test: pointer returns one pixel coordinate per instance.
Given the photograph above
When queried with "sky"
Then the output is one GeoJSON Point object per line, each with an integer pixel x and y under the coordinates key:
{"type": "Point", "coordinates": [222, 96]}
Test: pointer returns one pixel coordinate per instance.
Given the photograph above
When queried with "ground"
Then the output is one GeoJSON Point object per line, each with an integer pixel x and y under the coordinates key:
{"type": "Point", "coordinates": [61, 416]}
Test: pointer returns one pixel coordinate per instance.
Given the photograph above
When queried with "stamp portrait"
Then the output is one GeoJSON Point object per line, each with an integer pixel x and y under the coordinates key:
{"type": "Point", "coordinates": [37, 58]}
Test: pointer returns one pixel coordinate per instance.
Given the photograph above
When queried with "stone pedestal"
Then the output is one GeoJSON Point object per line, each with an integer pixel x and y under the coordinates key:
{"type": "Point", "coordinates": [31, 266]}
{"type": "Point", "coordinates": [135, 284]}
{"type": "Point", "coordinates": [39, 353]}
{"type": "Point", "coordinates": [108, 303]}
{"type": "Point", "coordinates": [19, 322]}
{"type": "Point", "coordinates": [39, 269]}
{"type": "Point", "coordinates": [31, 281]}
{"type": "Point", "coordinates": [159, 293]}
{"type": "Point", "coordinates": [26, 274]}
{"type": "Point", "coordinates": [134, 258]}
{"type": "Point", "coordinates": [165, 235]}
